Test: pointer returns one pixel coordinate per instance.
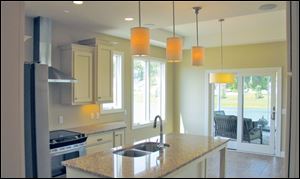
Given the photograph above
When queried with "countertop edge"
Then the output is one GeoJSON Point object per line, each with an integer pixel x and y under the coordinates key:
{"type": "Point", "coordinates": [99, 128]}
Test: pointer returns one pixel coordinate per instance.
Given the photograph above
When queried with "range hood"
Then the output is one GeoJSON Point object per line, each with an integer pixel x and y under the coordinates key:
{"type": "Point", "coordinates": [42, 46]}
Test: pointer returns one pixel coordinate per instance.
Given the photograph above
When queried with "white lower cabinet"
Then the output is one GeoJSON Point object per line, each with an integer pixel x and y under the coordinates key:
{"type": "Point", "coordinates": [119, 137]}
{"type": "Point", "coordinates": [103, 141]}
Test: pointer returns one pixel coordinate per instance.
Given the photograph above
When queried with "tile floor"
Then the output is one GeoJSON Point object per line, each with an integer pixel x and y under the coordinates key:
{"type": "Point", "coordinates": [244, 165]}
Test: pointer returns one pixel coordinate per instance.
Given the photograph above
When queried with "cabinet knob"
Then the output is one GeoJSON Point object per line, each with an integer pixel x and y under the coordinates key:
{"type": "Point", "coordinates": [99, 140]}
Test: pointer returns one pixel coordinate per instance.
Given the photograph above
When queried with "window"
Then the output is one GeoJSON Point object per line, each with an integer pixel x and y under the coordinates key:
{"type": "Point", "coordinates": [148, 90]}
{"type": "Point", "coordinates": [117, 104]}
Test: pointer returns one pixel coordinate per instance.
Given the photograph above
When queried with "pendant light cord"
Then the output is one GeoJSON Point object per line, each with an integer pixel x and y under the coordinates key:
{"type": "Point", "coordinates": [221, 21]}
{"type": "Point", "coordinates": [173, 19]}
{"type": "Point", "coordinates": [197, 12]}
{"type": "Point", "coordinates": [140, 17]}
{"type": "Point", "coordinates": [197, 28]}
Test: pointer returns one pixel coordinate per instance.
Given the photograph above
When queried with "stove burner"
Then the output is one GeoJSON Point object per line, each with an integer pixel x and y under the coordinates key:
{"type": "Point", "coordinates": [61, 138]}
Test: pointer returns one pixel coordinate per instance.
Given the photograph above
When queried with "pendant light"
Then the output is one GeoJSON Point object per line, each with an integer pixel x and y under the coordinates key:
{"type": "Point", "coordinates": [174, 45]}
{"type": "Point", "coordinates": [140, 39]}
{"type": "Point", "coordinates": [197, 51]}
{"type": "Point", "coordinates": [221, 77]}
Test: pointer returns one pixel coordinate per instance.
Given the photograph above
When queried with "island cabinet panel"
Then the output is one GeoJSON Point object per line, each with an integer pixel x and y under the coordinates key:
{"type": "Point", "coordinates": [196, 169]}
{"type": "Point", "coordinates": [77, 61]}
{"type": "Point", "coordinates": [103, 69]}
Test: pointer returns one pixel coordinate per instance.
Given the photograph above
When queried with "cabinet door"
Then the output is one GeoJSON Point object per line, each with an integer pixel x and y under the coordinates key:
{"type": "Point", "coordinates": [119, 138]}
{"type": "Point", "coordinates": [104, 74]}
{"type": "Point", "coordinates": [82, 70]}
{"type": "Point", "coordinates": [99, 147]}
{"type": "Point", "coordinates": [99, 142]}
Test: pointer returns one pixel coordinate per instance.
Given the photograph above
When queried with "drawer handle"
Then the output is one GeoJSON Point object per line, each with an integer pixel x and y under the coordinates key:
{"type": "Point", "coordinates": [117, 134]}
{"type": "Point", "coordinates": [99, 140]}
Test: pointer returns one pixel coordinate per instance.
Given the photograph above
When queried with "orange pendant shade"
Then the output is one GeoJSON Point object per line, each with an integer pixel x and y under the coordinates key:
{"type": "Point", "coordinates": [140, 41]}
{"type": "Point", "coordinates": [197, 55]}
{"type": "Point", "coordinates": [221, 78]}
{"type": "Point", "coordinates": [174, 49]}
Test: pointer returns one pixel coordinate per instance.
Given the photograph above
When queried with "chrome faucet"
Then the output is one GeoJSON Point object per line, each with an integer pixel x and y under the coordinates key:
{"type": "Point", "coordinates": [161, 144]}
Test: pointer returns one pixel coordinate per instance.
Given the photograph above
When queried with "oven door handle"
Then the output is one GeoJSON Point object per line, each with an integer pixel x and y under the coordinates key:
{"type": "Point", "coordinates": [67, 151]}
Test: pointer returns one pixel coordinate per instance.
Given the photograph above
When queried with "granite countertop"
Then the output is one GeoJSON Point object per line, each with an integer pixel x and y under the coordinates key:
{"type": "Point", "coordinates": [96, 128]}
{"type": "Point", "coordinates": [183, 149]}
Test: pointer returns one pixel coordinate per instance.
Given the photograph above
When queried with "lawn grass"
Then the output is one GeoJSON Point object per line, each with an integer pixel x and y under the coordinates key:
{"type": "Point", "coordinates": [250, 101]}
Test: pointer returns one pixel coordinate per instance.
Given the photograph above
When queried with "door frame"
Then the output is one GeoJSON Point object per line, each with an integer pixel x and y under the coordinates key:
{"type": "Point", "coordinates": [208, 100]}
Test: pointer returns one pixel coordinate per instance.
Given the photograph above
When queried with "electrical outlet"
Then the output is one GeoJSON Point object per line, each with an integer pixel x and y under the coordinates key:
{"type": "Point", "coordinates": [97, 115]}
{"type": "Point", "coordinates": [92, 115]}
{"type": "Point", "coordinates": [61, 120]}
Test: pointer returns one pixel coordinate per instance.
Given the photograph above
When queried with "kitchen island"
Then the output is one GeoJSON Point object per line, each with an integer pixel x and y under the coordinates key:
{"type": "Point", "coordinates": [185, 157]}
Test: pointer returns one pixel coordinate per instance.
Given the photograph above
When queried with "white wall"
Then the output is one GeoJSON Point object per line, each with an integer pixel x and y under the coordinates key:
{"type": "Point", "coordinates": [190, 84]}
{"type": "Point", "coordinates": [12, 104]}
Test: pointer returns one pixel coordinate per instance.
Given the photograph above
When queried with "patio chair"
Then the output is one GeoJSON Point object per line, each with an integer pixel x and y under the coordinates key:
{"type": "Point", "coordinates": [226, 126]}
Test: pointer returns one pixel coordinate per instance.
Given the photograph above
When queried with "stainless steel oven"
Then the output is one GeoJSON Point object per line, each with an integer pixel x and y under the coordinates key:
{"type": "Point", "coordinates": [65, 147]}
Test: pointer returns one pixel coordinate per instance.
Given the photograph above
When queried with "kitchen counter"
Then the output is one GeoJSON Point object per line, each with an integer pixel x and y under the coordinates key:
{"type": "Point", "coordinates": [184, 151]}
{"type": "Point", "coordinates": [96, 128]}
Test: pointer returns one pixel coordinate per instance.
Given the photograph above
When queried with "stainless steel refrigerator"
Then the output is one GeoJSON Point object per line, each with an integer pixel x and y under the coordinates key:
{"type": "Point", "coordinates": [37, 151]}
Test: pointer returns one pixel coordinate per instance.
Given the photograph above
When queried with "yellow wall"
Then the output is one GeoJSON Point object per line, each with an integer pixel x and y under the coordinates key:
{"type": "Point", "coordinates": [189, 91]}
{"type": "Point", "coordinates": [75, 116]}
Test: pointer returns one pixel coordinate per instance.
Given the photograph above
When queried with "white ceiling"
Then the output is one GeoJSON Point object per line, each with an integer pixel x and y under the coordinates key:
{"type": "Point", "coordinates": [244, 22]}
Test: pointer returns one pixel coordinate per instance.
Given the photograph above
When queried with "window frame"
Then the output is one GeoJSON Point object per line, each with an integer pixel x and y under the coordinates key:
{"type": "Point", "coordinates": [147, 83]}
{"type": "Point", "coordinates": [122, 109]}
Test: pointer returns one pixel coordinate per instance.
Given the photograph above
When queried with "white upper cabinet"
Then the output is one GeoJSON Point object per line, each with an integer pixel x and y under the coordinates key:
{"type": "Point", "coordinates": [103, 70]}
{"type": "Point", "coordinates": [77, 61]}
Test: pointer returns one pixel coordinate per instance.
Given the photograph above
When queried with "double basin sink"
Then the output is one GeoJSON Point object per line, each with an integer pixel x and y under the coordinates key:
{"type": "Point", "coordinates": [140, 150]}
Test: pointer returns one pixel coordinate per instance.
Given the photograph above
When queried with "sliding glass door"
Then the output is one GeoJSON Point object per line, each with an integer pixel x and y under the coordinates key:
{"type": "Point", "coordinates": [258, 112]}
{"type": "Point", "coordinates": [225, 111]}
{"type": "Point", "coordinates": [245, 111]}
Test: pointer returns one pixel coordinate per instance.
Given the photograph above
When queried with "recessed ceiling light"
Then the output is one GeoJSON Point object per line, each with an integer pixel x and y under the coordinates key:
{"type": "Point", "coordinates": [66, 11]}
{"type": "Point", "coordinates": [78, 2]}
{"type": "Point", "coordinates": [128, 18]}
{"type": "Point", "coordinates": [267, 6]}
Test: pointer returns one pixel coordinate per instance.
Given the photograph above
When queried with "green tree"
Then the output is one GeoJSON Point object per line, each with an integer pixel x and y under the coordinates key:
{"type": "Point", "coordinates": [139, 70]}
{"type": "Point", "coordinates": [232, 86]}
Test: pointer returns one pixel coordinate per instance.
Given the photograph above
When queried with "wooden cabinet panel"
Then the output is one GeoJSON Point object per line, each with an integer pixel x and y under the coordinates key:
{"type": "Point", "coordinates": [104, 74]}
{"type": "Point", "coordinates": [99, 142]}
{"type": "Point", "coordinates": [103, 69]}
{"type": "Point", "coordinates": [99, 147]}
{"type": "Point", "coordinates": [83, 62]}
{"type": "Point", "coordinates": [77, 61]}
{"type": "Point", "coordinates": [104, 141]}
{"type": "Point", "coordinates": [119, 138]}
{"type": "Point", "coordinates": [99, 138]}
